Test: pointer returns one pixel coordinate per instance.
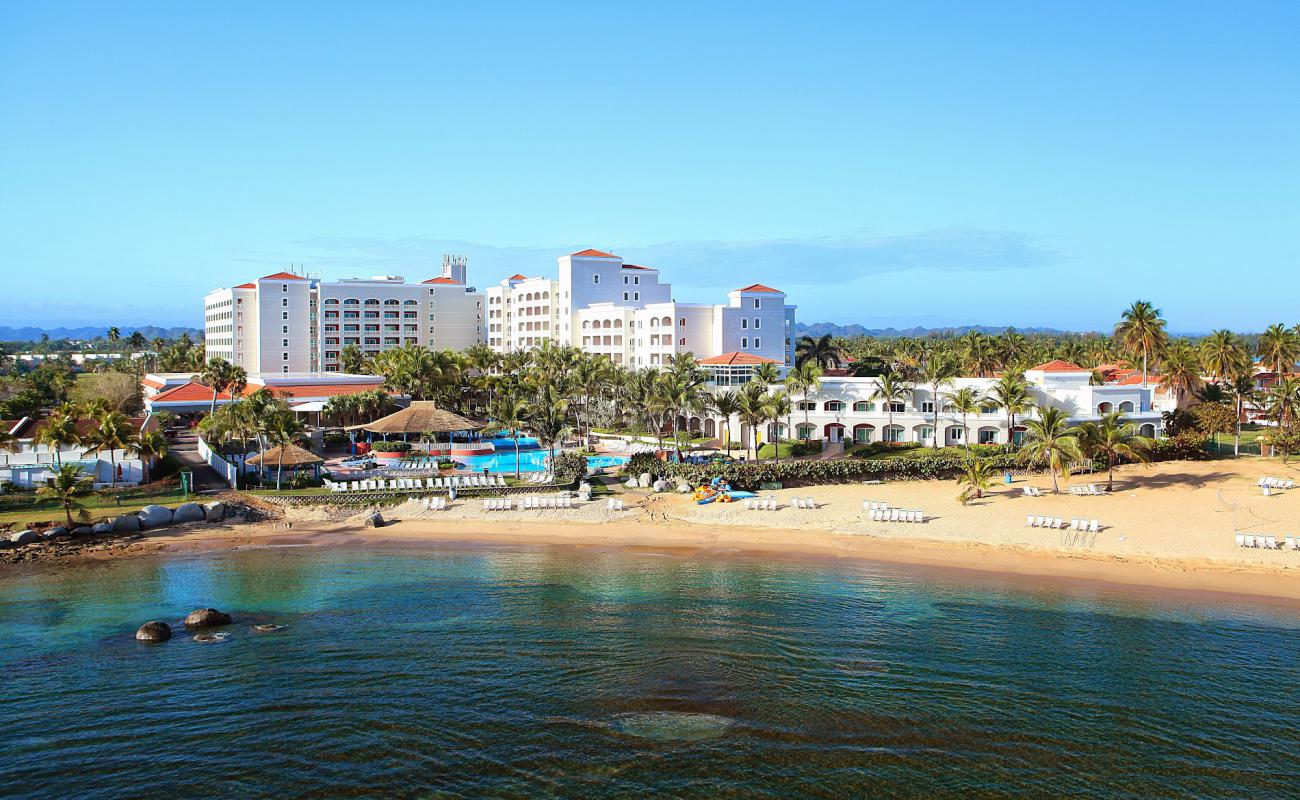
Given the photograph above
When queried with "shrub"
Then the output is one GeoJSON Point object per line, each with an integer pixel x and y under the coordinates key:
{"type": "Point", "coordinates": [569, 466]}
{"type": "Point", "coordinates": [383, 446]}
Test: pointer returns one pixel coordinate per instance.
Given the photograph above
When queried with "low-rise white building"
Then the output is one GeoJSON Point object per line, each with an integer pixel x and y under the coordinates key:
{"type": "Point", "coordinates": [28, 464]}
{"type": "Point", "coordinates": [288, 323]}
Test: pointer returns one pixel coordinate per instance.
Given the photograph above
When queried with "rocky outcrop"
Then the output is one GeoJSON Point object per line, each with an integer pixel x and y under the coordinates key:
{"type": "Point", "coordinates": [154, 631]}
{"type": "Point", "coordinates": [101, 528]}
{"type": "Point", "coordinates": [24, 537]}
{"type": "Point", "coordinates": [188, 512]}
{"type": "Point", "coordinates": [215, 512]}
{"type": "Point", "coordinates": [155, 516]}
{"type": "Point", "coordinates": [126, 524]}
{"type": "Point", "coordinates": [57, 532]}
{"type": "Point", "coordinates": [206, 618]}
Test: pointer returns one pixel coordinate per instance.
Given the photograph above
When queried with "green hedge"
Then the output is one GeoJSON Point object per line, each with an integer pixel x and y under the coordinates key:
{"type": "Point", "coordinates": [798, 473]}
{"type": "Point", "coordinates": [569, 466]}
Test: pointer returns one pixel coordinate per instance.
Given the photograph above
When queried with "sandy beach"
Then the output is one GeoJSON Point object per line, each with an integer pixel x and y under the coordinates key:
{"type": "Point", "coordinates": [1168, 525]}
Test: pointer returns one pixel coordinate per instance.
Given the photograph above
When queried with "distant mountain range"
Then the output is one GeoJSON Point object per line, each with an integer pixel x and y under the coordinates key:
{"type": "Point", "coordinates": [845, 331]}
{"type": "Point", "coordinates": [32, 334]}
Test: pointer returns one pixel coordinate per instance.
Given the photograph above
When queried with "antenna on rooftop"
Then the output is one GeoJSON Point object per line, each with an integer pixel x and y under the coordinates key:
{"type": "Point", "coordinates": [455, 267]}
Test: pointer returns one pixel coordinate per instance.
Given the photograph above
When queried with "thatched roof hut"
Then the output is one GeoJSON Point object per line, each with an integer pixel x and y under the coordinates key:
{"type": "Point", "coordinates": [293, 456]}
{"type": "Point", "coordinates": [422, 416]}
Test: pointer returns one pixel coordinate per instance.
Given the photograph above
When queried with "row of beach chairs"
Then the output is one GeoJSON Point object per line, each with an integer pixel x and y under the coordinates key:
{"type": "Point", "coordinates": [406, 484]}
{"type": "Point", "coordinates": [615, 504]}
{"type": "Point", "coordinates": [541, 477]}
{"type": "Point", "coordinates": [767, 503]}
{"type": "Point", "coordinates": [1275, 483]}
{"type": "Point", "coordinates": [1058, 523]}
{"type": "Point", "coordinates": [895, 515]}
{"type": "Point", "coordinates": [541, 503]}
{"type": "Point", "coordinates": [1267, 542]}
{"type": "Point", "coordinates": [434, 503]}
{"type": "Point", "coordinates": [1091, 490]}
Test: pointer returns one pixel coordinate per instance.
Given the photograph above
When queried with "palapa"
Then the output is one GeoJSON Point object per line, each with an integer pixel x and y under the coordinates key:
{"type": "Point", "coordinates": [421, 416]}
{"type": "Point", "coordinates": [293, 456]}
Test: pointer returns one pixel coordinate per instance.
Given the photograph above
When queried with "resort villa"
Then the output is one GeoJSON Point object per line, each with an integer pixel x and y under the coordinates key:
{"type": "Point", "coordinates": [29, 464]}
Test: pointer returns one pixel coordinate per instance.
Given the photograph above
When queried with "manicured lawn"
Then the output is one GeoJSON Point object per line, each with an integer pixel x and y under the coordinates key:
{"type": "Point", "coordinates": [97, 505]}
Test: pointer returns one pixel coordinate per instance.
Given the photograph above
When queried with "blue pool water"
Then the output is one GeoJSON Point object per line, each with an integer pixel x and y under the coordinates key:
{"type": "Point", "coordinates": [529, 461]}
{"type": "Point", "coordinates": [506, 443]}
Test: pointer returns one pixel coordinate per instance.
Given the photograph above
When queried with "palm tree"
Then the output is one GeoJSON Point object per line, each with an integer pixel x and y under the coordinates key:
{"type": "Point", "coordinates": [67, 485]}
{"type": "Point", "coordinates": [938, 371]}
{"type": "Point", "coordinates": [1242, 388]}
{"type": "Point", "coordinates": [222, 376]}
{"type": "Point", "coordinates": [820, 351]}
{"type": "Point", "coordinates": [59, 431]}
{"type": "Point", "coordinates": [890, 388]}
{"type": "Point", "coordinates": [1223, 354]}
{"type": "Point", "coordinates": [778, 407]}
{"type": "Point", "coordinates": [510, 413]}
{"type": "Point", "coordinates": [352, 360]}
{"type": "Point", "coordinates": [804, 379]}
{"type": "Point", "coordinates": [148, 446]}
{"type": "Point", "coordinates": [965, 401]}
{"type": "Point", "coordinates": [1180, 369]}
{"type": "Point", "coordinates": [114, 433]}
{"type": "Point", "coordinates": [767, 374]}
{"type": "Point", "coordinates": [1141, 330]}
{"type": "Point", "coordinates": [1051, 442]}
{"type": "Point", "coordinates": [1284, 400]}
{"type": "Point", "coordinates": [727, 404]}
{"type": "Point", "coordinates": [1278, 348]}
{"type": "Point", "coordinates": [755, 409]}
{"type": "Point", "coordinates": [1011, 394]}
{"type": "Point", "coordinates": [977, 476]}
{"type": "Point", "coordinates": [282, 428]}
{"type": "Point", "coordinates": [113, 335]}
{"type": "Point", "coordinates": [1114, 437]}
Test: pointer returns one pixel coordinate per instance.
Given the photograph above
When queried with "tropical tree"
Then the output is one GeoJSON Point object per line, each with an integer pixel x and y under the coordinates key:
{"type": "Point", "coordinates": [727, 405]}
{"type": "Point", "coordinates": [510, 412]}
{"type": "Point", "coordinates": [804, 379]}
{"type": "Point", "coordinates": [1283, 400]}
{"type": "Point", "coordinates": [977, 476]}
{"type": "Point", "coordinates": [1278, 348]}
{"type": "Point", "coordinates": [1141, 331]}
{"type": "Point", "coordinates": [281, 428]}
{"type": "Point", "coordinates": [352, 360]}
{"type": "Point", "coordinates": [1180, 369]}
{"type": "Point", "coordinates": [1116, 439]}
{"type": "Point", "coordinates": [148, 446]}
{"type": "Point", "coordinates": [1052, 442]}
{"type": "Point", "coordinates": [548, 415]}
{"type": "Point", "coordinates": [965, 401]}
{"type": "Point", "coordinates": [222, 376]}
{"type": "Point", "coordinates": [59, 431]}
{"type": "Point", "coordinates": [938, 371]}
{"type": "Point", "coordinates": [66, 488]}
{"type": "Point", "coordinates": [1241, 388]}
{"type": "Point", "coordinates": [778, 407]}
{"type": "Point", "coordinates": [1011, 394]}
{"type": "Point", "coordinates": [113, 434]}
{"type": "Point", "coordinates": [113, 335]}
{"type": "Point", "coordinates": [767, 373]}
{"type": "Point", "coordinates": [755, 409]}
{"type": "Point", "coordinates": [821, 351]}
{"type": "Point", "coordinates": [890, 388]}
{"type": "Point", "coordinates": [1223, 354]}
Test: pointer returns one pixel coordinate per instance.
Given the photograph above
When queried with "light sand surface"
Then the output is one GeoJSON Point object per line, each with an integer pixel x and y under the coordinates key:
{"type": "Point", "coordinates": [1168, 525]}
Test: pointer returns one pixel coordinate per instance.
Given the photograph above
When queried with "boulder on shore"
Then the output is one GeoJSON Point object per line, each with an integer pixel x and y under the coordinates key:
{"type": "Point", "coordinates": [101, 528]}
{"type": "Point", "coordinates": [126, 524]}
{"type": "Point", "coordinates": [206, 618]}
{"type": "Point", "coordinates": [155, 516]}
{"type": "Point", "coordinates": [631, 483]}
{"type": "Point", "coordinates": [154, 631]}
{"type": "Point", "coordinates": [23, 537]}
{"type": "Point", "coordinates": [215, 512]}
{"type": "Point", "coordinates": [375, 520]}
{"type": "Point", "coordinates": [646, 480]}
{"type": "Point", "coordinates": [188, 512]}
{"type": "Point", "coordinates": [660, 485]}
{"type": "Point", "coordinates": [57, 532]}
{"type": "Point", "coordinates": [683, 486]}
{"type": "Point", "coordinates": [83, 530]}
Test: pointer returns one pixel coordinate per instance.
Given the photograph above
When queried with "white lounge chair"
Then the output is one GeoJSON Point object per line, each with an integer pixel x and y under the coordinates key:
{"type": "Point", "coordinates": [1241, 539]}
{"type": "Point", "coordinates": [1029, 520]}
{"type": "Point", "coordinates": [1250, 541]}
{"type": "Point", "coordinates": [1270, 542]}
{"type": "Point", "coordinates": [1094, 526]}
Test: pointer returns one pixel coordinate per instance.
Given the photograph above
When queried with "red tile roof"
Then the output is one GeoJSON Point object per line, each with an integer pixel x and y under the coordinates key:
{"type": "Point", "coordinates": [284, 276]}
{"type": "Point", "coordinates": [152, 384]}
{"type": "Point", "coordinates": [758, 287]}
{"type": "Point", "coordinates": [292, 391]}
{"type": "Point", "coordinates": [1058, 366]}
{"type": "Point", "coordinates": [442, 280]}
{"type": "Point", "coordinates": [1136, 380]}
{"type": "Point", "coordinates": [589, 253]}
{"type": "Point", "coordinates": [635, 266]}
{"type": "Point", "coordinates": [738, 359]}
{"type": "Point", "coordinates": [246, 286]}
{"type": "Point", "coordinates": [517, 277]}
{"type": "Point", "coordinates": [31, 428]}
{"type": "Point", "coordinates": [191, 392]}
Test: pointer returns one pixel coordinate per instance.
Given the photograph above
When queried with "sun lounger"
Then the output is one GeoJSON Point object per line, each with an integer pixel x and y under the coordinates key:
{"type": "Point", "coordinates": [1241, 539]}
{"type": "Point", "coordinates": [1094, 526]}
{"type": "Point", "coordinates": [1270, 542]}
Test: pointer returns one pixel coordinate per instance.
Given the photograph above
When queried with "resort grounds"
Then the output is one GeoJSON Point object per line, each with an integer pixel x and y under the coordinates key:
{"type": "Point", "coordinates": [1169, 525]}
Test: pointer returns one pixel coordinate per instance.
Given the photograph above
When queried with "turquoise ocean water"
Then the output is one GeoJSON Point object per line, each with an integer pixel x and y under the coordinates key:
{"type": "Point", "coordinates": [500, 672]}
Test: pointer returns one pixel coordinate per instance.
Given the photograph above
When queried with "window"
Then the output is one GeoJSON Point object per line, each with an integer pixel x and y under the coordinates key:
{"type": "Point", "coordinates": [681, 323]}
{"type": "Point", "coordinates": [625, 295]}
{"type": "Point", "coordinates": [834, 405]}
{"type": "Point", "coordinates": [626, 281]}
{"type": "Point", "coordinates": [284, 356]}
{"type": "Point", "coordinates": [682, 341]}
{"type": "Point", "coordinates": [284, 342]}
{"type": "Point", "coordinates": [757, 323]}
{"type": "Point", "coordinates": [927, 407]}
{"type": "Point", "coordinates": [636, 295]}
{"type": "Point", "coordinates": [896, 407]}
{"type": "Point", "coordinates": [758, 343]}
{"type": "Point", "coordinates": [284, 302]}
{"type": "Point", "coordinates": [863, 407]}
{"type": "Point", "coordinates": [595, 279]}
{"type": "Point", "coordinates": [744, 343]}
{"type": "Point", "coordinates": [284, 287]}
{"type": "Point", "coordinates": [758, 303]}
{"type": "Point", "coordinates": [744, 323]}
{"type": "Point", "coordinates": [284, 329]}
{"type": "Point", "coordinates": [284, 315]}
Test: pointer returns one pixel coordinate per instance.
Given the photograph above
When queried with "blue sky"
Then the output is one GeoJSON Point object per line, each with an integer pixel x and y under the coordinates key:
{"type": "Point", "coordinates": [888, 164]}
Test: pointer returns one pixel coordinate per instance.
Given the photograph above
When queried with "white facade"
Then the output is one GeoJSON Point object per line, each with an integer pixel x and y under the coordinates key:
{"type": "Point", "coordinates": [29, 464]}
{"type": "Point", "coordinates": [844, 409]}
{"type": "Point", "coordinates": [625, 313]}
{"type": "Point", "coordinates": [285, 323]}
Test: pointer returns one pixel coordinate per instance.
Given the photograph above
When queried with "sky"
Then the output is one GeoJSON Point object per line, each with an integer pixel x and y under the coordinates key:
{"type": "Point", "coordinates": [887, 164]}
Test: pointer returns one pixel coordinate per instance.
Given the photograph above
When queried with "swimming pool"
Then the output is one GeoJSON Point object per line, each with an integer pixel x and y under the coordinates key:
{"type": "Point", "coordinates": [503, 461]}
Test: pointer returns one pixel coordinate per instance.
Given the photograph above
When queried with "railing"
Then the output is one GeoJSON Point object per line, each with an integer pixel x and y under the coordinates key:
{"type": "Point", "coordinates": [224, 468]}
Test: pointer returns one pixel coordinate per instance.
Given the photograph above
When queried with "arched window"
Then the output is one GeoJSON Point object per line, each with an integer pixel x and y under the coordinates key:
{"type": "Point", "coordinates": [372, 302]}
{"type": "Point", "coordinates": [805, 430]}
{"type": "Point", "coordinates": [546, 295]}
{"type": "Point", "coordinates": [833, 405]}
{"type": "Point", "coordinates": [1105, 408]}
{"type": "Point", "coordinates": [654, 322]}
{"type": "Point", "coordinates": [667, 322]}
{"type": "Point", "coordinates": [331, 302]}
{"type": "Point", "coordinates": [893, 433]}
{"type": "Point", "coordinates": [586, 324]}
{"type": "Point", "coordinates": [863, 407]}
{"type": "Point", "coordinates": [1126, 407]}
{"type": "Point", "coordinates": [618, 323]}
{"type": "Point", "coordinates": [391, 302]}
{"type": "Point", "coordinates": [1148, 430]}
{"type": "Point", "coordinates": [409, 303]}
{"type": "Point", "coordinates": [863, 433]}
{"type": "Point", "coordinates": [352, 301]}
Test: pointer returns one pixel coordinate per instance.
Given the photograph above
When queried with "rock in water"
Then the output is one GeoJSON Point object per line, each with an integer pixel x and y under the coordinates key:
{"type": "Point", "coordinates": [155, 516]}
{"type": "Point", "coordinates": [206, 618]}
{"type": "Point", "coordinates": [127, 524]}
{"type": "Point", "coordinates": [154, 632]}
{"type": "Point", "coordinates": [24, 537]}
{"type": "Point", "coordinates": [668, 726]}
{"type": "Point", "coordinates": [215, 512]}
{"type": "Point", "coordinates": [188, 512]}
{"type": "Point", "coordinates": [268, 627]}
{"type": "Point", "coordinates": [375, 520]}
{"type": "Point", "coordinates": [211, 638]}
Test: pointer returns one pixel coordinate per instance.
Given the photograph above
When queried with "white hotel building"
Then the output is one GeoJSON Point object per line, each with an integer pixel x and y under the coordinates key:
{"type": "Point", "coordinates": [624, 312]}
{"type": "Point", "coordinates": [286, 323]}
{"type": "Point", "coordinates": [843, 409]}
